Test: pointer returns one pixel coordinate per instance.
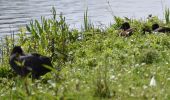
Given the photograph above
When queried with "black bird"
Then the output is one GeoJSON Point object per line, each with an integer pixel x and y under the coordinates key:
{"type": "Point", "coordinates": [157, 28]}
{"type": "Point", "coordinates": [24, 64]}
{"type": "Point", "coordinates": [126, 30]}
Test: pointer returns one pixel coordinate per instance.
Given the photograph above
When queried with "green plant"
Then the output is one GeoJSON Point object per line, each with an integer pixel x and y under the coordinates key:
{"type": "Point", "coordinates": [150, 56]}
{"type": "Point", "coordinates": [52, 35]}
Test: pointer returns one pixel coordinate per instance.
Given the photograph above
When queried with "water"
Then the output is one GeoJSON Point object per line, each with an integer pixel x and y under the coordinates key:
{"type": "Point", "coordinates": [17, 13]}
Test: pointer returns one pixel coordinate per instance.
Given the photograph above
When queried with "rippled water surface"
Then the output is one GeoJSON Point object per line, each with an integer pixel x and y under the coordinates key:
{"type": "Point", "coordinates": [16, 13]}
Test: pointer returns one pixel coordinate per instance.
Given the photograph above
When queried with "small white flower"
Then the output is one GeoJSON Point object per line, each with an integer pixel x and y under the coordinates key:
{"type": "Point", "coordinates": [39, 87]}
{"type": "Point", "coordinates": [119, 74]}
{"type": "Point", "coordinates": [41, 91]}
{"type": "Point", "coordinates": [152, 82]}
{"type": "Point", "coordinates": [143, 64]}
{"type": "Point", "coordinates": [14, 88]}
{"type": "Point", "coordinates": [77, 81]}
{"type": "Point", "coordinates": [153, 98]}
{"type": "Point", "coordinates": [32, 93]}
{"type": "Point", "coordinates": [132, 95]}
{"type": "Point", "coordinates": [53, 94]}
{"type": "Point", "coordinates": [129, 72]}
{"type": "Point", "coordinates": [145, 87]}
{"type": "Point", "coordinates": [112, 77]}
{"type": "Point", "coordinates": [2, 95]}
{"type": "Point", "coordinates": [51, 83]}
{"type": "Point", "coordinates": [137, 65]}
{"type": "Point", "coordinates": [80, 37]}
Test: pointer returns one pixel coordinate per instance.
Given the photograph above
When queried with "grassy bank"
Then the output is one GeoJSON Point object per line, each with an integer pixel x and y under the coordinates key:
{"type": "Point", "coordinates": [91, 64]}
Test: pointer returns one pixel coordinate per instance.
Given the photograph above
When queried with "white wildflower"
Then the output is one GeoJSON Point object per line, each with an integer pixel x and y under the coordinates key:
{"type": "Point", "coordinates": [14, 88]}
{"type": "Point", "coordinates": [145, 87]}
{"type": "Point", "coordinates": [129, 72]}
{"type": "Point", "coordinates": [32, 93]}
{"type": "Point", "coordinates": [152, 82]}
{"type": "Point", "coordinates": [77, 81]}
{"type": "Point", "coordinates": [51, 83]}
{"type": "Point", "coordinates": [2, 95]}
{"type": "Point", "coordinates": [41, 91]}
{"type": "Point", "coordinates": [137, 65]}
{"type": "Point", "coordinates": [112, 77]}
{"type": "Point", "coordinates": [132, 95]}
{"type": "Point", "coordinates": [168, 79]}
{"type": "Point", "coordinates": [53, 94]}
{"type": "Point", "coordinates": [143, 64]}
{"type": "Point", "coordinates": [39, 87]}
{"type": "Point", "coordinates": [119, 74]}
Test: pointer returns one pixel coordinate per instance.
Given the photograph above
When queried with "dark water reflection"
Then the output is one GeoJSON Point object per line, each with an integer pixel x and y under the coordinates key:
{"type": "Point", "coordinates": [16, 13]}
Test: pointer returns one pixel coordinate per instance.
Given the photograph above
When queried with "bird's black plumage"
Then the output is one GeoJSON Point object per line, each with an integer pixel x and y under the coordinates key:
{"type": "Point", "coordinates": [125, 26]}
{"type": "Point", "coordinates": [23, 64]}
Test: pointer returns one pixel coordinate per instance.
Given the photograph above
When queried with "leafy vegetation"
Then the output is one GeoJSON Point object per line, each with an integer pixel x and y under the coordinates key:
{"type": "Point", "coordinates": [90, 64]}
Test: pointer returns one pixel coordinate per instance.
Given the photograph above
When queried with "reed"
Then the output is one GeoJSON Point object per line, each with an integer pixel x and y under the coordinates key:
{"type": "Point", "coordinates": [87, 24]}
{"type": "Point", "coordinates": [167, 15]}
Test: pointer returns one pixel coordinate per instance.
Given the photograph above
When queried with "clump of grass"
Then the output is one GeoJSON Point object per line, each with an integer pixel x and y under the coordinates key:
{"type": "Point", "coordinates": [149, 57]}
{"type": "Point", "coordinates": [102, 83]}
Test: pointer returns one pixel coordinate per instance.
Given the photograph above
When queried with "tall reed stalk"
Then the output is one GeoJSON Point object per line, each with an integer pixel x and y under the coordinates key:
{"type": "Point", "coordinates": [167, 15]}
{"type": "Point", "coordinates": [87, 23]}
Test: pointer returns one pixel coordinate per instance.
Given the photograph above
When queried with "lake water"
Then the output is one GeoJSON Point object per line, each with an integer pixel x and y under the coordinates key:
{"type": "Point", "coordinates": [17, 13]}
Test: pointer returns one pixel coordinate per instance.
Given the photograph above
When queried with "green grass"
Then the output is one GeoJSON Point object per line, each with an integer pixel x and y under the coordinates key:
{"type": "Point", "coordinates": [100, 65]}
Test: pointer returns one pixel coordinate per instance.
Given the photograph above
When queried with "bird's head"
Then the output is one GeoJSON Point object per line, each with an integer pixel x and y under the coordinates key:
{"type": "Point", "coordinates": [155, 26]}
{"type": "Point", "coordinates": [125, 26]}
{"type": "Point", "coordinates": [17, 50]}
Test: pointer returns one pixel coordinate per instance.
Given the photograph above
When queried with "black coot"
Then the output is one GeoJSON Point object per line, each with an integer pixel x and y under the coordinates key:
{"type": "Point", "coordinates": [23, 64]}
